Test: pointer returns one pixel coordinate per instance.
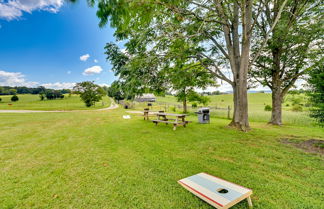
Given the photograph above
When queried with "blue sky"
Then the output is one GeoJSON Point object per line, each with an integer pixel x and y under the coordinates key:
{"type": "Point", "coordinates": [56, 44]}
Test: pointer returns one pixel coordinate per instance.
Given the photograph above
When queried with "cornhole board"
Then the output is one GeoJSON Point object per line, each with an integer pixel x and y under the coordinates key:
{"type": "Point", "coordinates": [216, 191]}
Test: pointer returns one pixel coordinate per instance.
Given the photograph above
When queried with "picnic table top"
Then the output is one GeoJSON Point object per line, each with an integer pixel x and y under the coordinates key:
{"type": "Point", "coordinates": [171, 114]}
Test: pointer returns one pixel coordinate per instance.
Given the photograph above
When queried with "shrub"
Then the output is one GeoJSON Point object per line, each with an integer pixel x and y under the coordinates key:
{"type": "Point", "coordinates": [296, 100]}
{"type": "Point", "coordinates": [297, 108]}
{"type": "Point", "coordinates": [287, 105]}
{"type": "Point", "coordinates": [173, 109]}
{"type": "Point", "coordinates": [53, 94]}
{"type": "Point", "coordinates": [14, 98]}
{"type": "Point", "coordinates": [267, 108]}
{"type": "Point", "coordinates": [0, 99]}
{"type": "Point", "coordinates": [308, 104]}
{"type": "Point", "coordinates": [42, 97]}
{"type": "Point", "coordinates": [194, 105]}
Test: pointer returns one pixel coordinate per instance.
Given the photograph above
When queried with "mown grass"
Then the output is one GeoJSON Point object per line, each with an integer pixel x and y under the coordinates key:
{"type": "Point", "coordinates": [33, 102]}
{"type": "Point", "coordinates": [99, 160]}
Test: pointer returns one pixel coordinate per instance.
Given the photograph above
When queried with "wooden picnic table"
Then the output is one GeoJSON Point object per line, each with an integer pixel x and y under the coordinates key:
{"type": "Point", "coordinates": [178, 120]}
{"type": "Point", "coordinates": [147, 113]}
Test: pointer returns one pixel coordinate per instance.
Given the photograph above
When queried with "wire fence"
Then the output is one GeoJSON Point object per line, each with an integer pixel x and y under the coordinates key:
{"type": "Point", "coordinates": [221, 111]}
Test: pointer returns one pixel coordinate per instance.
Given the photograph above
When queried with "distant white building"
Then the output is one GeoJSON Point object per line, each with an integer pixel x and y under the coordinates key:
{"type": "Point", "coordinates": [145, 98]}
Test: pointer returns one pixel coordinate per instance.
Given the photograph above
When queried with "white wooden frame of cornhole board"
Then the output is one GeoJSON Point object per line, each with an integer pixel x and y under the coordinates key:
{"type": "Point", "coordinates": [211, 189]}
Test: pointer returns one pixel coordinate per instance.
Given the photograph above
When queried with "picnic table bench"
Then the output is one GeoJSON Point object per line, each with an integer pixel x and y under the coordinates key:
{"type": "Point", "coordinates": [179, 119]}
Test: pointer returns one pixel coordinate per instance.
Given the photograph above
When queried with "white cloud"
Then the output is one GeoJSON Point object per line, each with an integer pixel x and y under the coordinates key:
{"type": "Point", "coordinates": [92, 70]}
{"type": "Point", "coordinates": [59, 85]}
{"type": "Point", "coordinates": [69, 72]}
{"type": "Point", "coordinates": [84, 57]}
{"type": "Point", "coordinates": [103, 84]}
{"type": "Point", "coordinates": [15, 79]}
{"type": "Point", "coordinates": [14, 9]}
{"type": "Point", "coordinates": [95, 61]}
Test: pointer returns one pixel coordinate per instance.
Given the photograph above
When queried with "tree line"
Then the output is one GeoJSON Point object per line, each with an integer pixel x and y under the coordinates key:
{"type": "Point", "coordinates": [89, 92]}
{"type": "Point", "coordinates": [7, 90]}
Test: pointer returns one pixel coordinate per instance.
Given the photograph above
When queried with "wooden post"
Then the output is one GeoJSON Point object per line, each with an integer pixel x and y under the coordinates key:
{"type": "Point", "coordinates": [249, 202]}
{"type": "Point", "coordinates": [229, 112]}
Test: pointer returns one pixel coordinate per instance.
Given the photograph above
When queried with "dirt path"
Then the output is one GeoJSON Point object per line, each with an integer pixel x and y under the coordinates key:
{"type": "Point", "coordinates": [112, 106]}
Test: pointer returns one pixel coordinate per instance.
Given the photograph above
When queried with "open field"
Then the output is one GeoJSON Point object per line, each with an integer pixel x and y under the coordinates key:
{"type": "Point", "coordinates": [32, 102]}
{"type": "Point", "coordinates": [257, 102]}
{"type": "Point", "coordinates": [99, 160]}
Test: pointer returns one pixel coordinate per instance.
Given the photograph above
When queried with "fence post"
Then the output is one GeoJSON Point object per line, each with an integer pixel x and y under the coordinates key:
{"type": "Point", "coordinates": [229, 112]}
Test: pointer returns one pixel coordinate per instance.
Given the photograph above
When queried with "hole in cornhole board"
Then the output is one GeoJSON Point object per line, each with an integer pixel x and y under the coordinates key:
{"type": "Point", "coordinates": [222, 191]}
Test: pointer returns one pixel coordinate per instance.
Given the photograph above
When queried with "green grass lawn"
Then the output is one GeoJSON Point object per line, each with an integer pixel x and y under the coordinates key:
{"type": "Point", "coordinates": [33, 102]}
{"type": "Point", "coordinates": [99, 160]}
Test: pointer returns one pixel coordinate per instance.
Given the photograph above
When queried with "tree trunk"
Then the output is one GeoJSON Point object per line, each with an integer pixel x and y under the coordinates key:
{"type": "Point", "coordinates": [240, 112]}
{"type": "Point", "coordinates": [276, 107]}
{"type": "Point", "coordinates": [184, 103]}
{"type": "Point", "coordinates": [238, 55]}
{"type": "Point", "coordinates": [240, 67]}
{"type": "Point", "coordinates": [277, 95]}
{"type": "Point", "coordinates": [235, 109]}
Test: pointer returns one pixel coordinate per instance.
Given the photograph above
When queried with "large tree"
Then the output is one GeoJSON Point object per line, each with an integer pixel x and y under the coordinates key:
{"type": "Point", "coordinates": [183, 79]}
{"type": "Point", "coordinates": [217, 34]}
{"type": "Point", "coordinates": [89, 92]}
{"type": "Point", "coordinates": [139, 73]}
{"type": "Point", "coordinates": [115, 91]}
{"type": "Point", "coordinates": [293, 48]}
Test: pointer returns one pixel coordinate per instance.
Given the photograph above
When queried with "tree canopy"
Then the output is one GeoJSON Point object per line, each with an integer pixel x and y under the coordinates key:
{"type": "Point", "coordinates": [215, 34]}
{"type": "Point", "coordinates": [316, 84]}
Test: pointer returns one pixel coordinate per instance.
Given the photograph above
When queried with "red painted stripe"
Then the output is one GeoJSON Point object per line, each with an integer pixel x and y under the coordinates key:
{"type": "Point", "coordinates": [226, 181]}
{"type": "Point", "coordinates": [200, 194]}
